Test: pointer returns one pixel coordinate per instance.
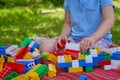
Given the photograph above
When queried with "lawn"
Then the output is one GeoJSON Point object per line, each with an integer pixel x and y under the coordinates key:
{"type": "Point", "coordinates": [19, 22]}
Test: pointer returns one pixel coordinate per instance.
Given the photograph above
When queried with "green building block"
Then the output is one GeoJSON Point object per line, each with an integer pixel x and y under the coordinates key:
{"type": "Point", "coordinates": [88, 69]}
{"type": "Point", "coordinates": [107, 56]}
{"type": "Point", "coordinates": [10, 76]}
{"type": "Point", "coordinates": [42, 70]}
{"type": "Point", "coordinates": [26, 42]}
{"type": "Point", "coordinates": [43, 56]}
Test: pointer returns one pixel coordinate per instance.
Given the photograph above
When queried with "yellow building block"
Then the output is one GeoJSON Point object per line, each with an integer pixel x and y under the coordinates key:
{"type": "Point", "coordinates": [51, 70]}
{"type": "Point", "coordinates": [33, 76]}
{"type": "Point", "coordinates": [21, 77]}
{"type": "Point", "coordinates": [79, 69]}
{"type": "Point", "coordinates": [11, 59]}
{"type": "Point", "coordinates": [28, 56]}
{"type": "Point", "coordinates": [1, 62]}
{"type": "Point", "coordinates": [98, 50]}
{"type": "Point", "coordinates": [68, 58]}
{"type": "Point", "coordinates": [46, 53]}
{"type": "Point", "coordinates": [34, 68]}
{"type": "Point", "coordinates": [81, 57]}
{"type": "Point", "coordinates": [52, 58]}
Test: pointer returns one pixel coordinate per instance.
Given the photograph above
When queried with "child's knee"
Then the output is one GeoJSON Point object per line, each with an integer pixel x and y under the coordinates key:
{"type": "Point", "coordinates": [48, 46]}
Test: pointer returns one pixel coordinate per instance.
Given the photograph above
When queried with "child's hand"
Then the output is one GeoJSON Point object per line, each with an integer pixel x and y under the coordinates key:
{"type": "Point", "coordinates": [86, 43]}
{"type": "Point", "coordinates": [61, 41]}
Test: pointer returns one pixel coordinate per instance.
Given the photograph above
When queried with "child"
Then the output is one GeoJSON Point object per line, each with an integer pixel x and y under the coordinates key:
{"type": "Point", "coordinates": [87, 22]}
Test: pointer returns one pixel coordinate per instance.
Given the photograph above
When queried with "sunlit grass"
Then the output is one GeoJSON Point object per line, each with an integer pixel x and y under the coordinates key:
{"type": "Point", "coordinates": [21, 22]}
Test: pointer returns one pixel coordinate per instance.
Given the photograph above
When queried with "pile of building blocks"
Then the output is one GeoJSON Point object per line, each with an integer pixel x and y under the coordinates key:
{"type": "Point", "coordinates": [24, 62]}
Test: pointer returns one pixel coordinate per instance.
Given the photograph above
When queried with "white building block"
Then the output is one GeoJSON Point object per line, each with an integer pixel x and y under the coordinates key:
{"type": "Point", "coordinates": [93, 52]}
{"type": "Point", "coordinates": [72, 46]}
{"type": "Point", "coordinates": [12, 50]}
{"type": "Point", "coordinates": [75, 63]}
{"type": "Point", "coordinates": [35, 54]}
{"type": "Point", "coordinates": [61, 59]}
{"type": "Point", "coordinates": [107, 67]}
{"type": "Point", "coordinates": [115, 64]}
{"type": "Point", "coordinates": [88, 59]}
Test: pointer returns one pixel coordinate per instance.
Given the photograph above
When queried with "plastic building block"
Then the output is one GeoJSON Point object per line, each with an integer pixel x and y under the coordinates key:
{"type": "Point", "coordinates": [41, 59]}
{"type": "Point", "coordinates": [93, 52]}
{"type": "Point", "coordinates": [75, 63]}
{"type": "Point", "coordinates": [98, 50]}
{"type": "Point", "coordinates": [115, 64]}
{"type": "Point", "coordinates": [73, 53]}
{"type": "Point", "coordinates": [101, 57]}
{"type": "Point", "coordinates": [61, 59]}
{"type": "Point", "coordinates": [82, 63]}
{"type": "Point", "coordinates": [1, 62]}
{"type": "Point", "coordinates": [78, 69]}
{"type": "Point", "coordinates": [88, 69]}
{"type": "Point", "coordinates": [47, 54]}
{"type": "Point", "coordinates": [21, 77]}
{"type": "Point", "coordinates": [33, 76]}
{"type": "Point", "coordinates": [21, 53]}
{"type": "Point", "coordinates": [28, 56]}
{"type": "Point", "coordinates": [102, 63]}
{"type": "Point", "coordinates": [11, 76]}
{"type": "Point", "coordinates": [43, 56]}
{"type": "Point", "coordinates": [116, 56]}
{"type": "Point", "coordinates": [19, 68]}
{"type": "Point", "coordinates": [107, 67]}
{"type": "Point", "coordinates": [88, 59]}
{"type": "Point", "coordinates": [35, 54]}
{"type": "Point", "coordinates": [11, 50]}
{"type": "Point", "coordinates": [82, 78]}
{"type": "Point", "coordinates": [11, 59]}
{"type": "Point", "coordinates": [107, 56]}
{"type": "Point", "coordinates": [81, 56]}
{"type": "Point", "coordinates": [37, 61]}
{"type": "Point", "coordinates": [25, 42]}
{"type": "Point", "coordinates": [65, 65]}
{"type": "Point", "coordinates": [33, 45]}
{"type": "Point", "coordinates": [2, 50]}
{"type": "Point", "coordinates": [51, 70]}
{"type": "Point", "coordinates": [68, 58]}
{"type": "Point", "coordinates": [42, 70]}
{"type": "Point", "coordinates": [5, 71]}
{"type": "Point", "coordinates": [63, 42]}
{"type": "Point", "coordinates": [52, 58]}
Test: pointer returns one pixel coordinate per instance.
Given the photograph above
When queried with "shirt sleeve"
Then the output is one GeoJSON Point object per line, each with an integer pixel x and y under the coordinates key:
{"type": "Point", "coordinates": [104, 3]}
{"type": "Point", "coordinates": [66, 5]}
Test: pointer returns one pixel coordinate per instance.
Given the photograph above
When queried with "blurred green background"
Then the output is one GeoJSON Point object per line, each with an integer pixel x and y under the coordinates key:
{"type": "Point", "coordinates": [20, 19]}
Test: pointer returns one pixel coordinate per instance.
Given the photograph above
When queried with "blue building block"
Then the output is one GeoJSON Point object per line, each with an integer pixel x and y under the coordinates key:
{"type": "Point", "coordinates": [65, 65]}
{"type": "Point", "coordinates": [35, 45]}
{"type": "Point", "coordinates": [89, 65]}
{"type": "Point", "coordinates": [82, 63]}
{"type": "Point", "coordinates": [82, 78]}
{"type": "Point", "coordinates": [37, 60]}
{"type": "Point", "coordinates": [95, 61]}
{"type": "Point", "coordinates": [116, 56]}
{"type": "Point", "coordinates": [2, 50]}
{"type": "Point", "coordinates": [101, 57]}
{"type": "Point", "coordinates": [65, 69]}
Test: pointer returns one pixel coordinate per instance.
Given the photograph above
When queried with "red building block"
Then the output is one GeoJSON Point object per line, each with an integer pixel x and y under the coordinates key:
{"type": "Point", "coordinates": [73, 53]}
{"type": "Point", "coordinates": [19, 68]}
{"type": "Point", "coordinates": [102, 63]}
{"type": "Point", "coordinates": [63, 42]}
{"type": "Point", "coordinates": [5, 71]}
{"type": "Point", "coordinates": [21, 52]}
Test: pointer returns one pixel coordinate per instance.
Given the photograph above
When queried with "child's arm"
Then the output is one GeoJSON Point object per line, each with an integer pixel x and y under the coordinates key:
{"type": "Point", "coordinates": [106, 25]}
{"type": "Point", "coordinates": [65, 29]}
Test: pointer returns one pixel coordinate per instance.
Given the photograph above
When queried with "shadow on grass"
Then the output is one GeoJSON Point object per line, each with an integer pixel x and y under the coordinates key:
{"type": "Point", "coordinates": [15, 26]}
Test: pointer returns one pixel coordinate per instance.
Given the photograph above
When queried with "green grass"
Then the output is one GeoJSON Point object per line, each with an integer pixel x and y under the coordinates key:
{"type": "Point", "coordinates": [20, 22]}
